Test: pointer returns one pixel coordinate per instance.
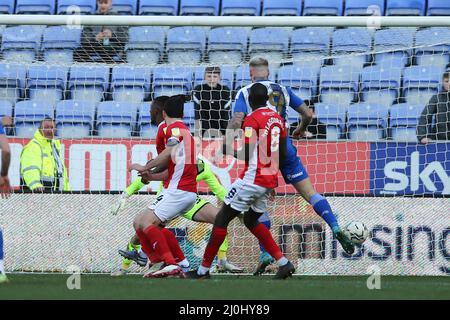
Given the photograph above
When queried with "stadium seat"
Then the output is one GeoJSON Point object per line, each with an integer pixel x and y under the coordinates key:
{"type": "Point", "coordinates": [270, 43]}
{"type": "Point", "coordinates": [189, 115]}
{"type": "Point", "coordinates": [333, 116]}
{"type": "Point", "coordinates": [241, 8]}
{"type": "Point", "coordinates": [227, 45]}
{"type": "Point", "coordinates": [28, 115]}
{"type": "Point", "coordinates": [398, 42]}
{"type": "Point", "coordinates": [310, 45]}
{"type": "Point", "coordinates": [185, 45]}
{"type": "Point", "coordinates": [12, 81]}
{"type": "Point", "coordinates": [353, 45]}
{"type": "Point", "coordinates": [420, 83]}
{"type": "Point", "coordinates": [129, 83]}
{"type": "Point", "coordinates": [404, 120]}
{"type": "Point", "coordinates": [75, 119]}
{"type": "Point", "coordinates": [59, 43]}
{"type": "Point", "coordinates": [88, 82]}
{"type": "Point", "coordinates": [405, 7]}
{"type": "Point", "coordinates": [146, 128]}
{"type": "Point", "coordinates": [242, 75]}
{"type": "Point", "coordinates": [83, 6]}
{"type": "Point", "coordinates": [199, 7]}
{"type": "Point", "coordinates": [432, 47]}
{"type": "Point", "coordinates": [380, 85]}
{"type": "Point", "coordinates": [367, 122]}
{"type": "Point", "coordinates": [170, 81]}
{"type": "Point", "coordinates": [7, 6]}
{"type": "Point", "coordinates": [364, 7]}
{"type": "Point", "coordinates": [282, 8]}
{"type": "Point", "coordinates": [47, 83]}
{"type": "Point", "coordinates": [226, 75]}
{"type": "Point", "coordinates": [303, 81]}
{"type": "Point", "coordinates": [6, 108]}
{"type": "Point", "coordinates": [21, 43]}
{"type": "Point", "coordinates": [322, 8]}
{"type": "Point", "coordinates": [158, 7]}
{"type": "Point", "coordinates": [145, 45]}
{"type": "Point", "coordinates": [115, 119]}
{"type": "Point", "coordinates": [338, 85]}
{"type": "Point", "coordinates": [35, 7]}
{"type": "Point", "coordinates": [438, 8]}
{"type": "Point", "coordinates": [125, 7]}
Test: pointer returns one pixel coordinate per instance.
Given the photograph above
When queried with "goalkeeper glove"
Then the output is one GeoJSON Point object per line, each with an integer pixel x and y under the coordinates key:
{"type": "Point", "coordinates": [119, 205]}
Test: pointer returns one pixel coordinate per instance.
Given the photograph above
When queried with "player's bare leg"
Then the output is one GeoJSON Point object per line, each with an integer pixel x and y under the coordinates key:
{"type": "Point", "coordinates": [323, 209]}
{"type": "Point", "coordinates": [208, 214]}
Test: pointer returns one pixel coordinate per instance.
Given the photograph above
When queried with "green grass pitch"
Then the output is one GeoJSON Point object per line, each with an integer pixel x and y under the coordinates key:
{"type": "Point", "coordinates": [53, 286]}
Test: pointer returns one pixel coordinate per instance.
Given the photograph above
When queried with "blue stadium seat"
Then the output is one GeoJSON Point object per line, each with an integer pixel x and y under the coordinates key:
{"type": "Point", "coordinates": [405, 7]}
{"type": "Point", "coordinates": [84, 6]}
{"type": "Point", "coordinates": [146, 128]}
{"type": "Point", "coordinates": [6, 108]}
{"type": "Point", "coordinates": [88, 82]}
{"type": "Point", "coordinates": [7, 6]}
{"type": "Point", "coordinates": [242, 75]}
{"type": "Point", "coordinates": [199, 7]}
{"type": "Point", "coordinates": [226, 75]}
{"type": "Point", "coordinates": [189, 115]}
{"type": "Point", "coordinates": [21, 43]}
{"type": "Point", "coordinates": [129, 83]}
{"type": "Point", "coordinates": [354, 44]}
{"type": "Point", "coordinates": [398, 42]}
{"type": "Point", "coordinates": [158, 7]}
{"type": "Point", "coordinates": [333, 116]}
{"type": "Point", "coordinates": [170, 81]}
{"type": "Point", "coordinates": [438, 8]}
{"type": "Point", "coordinates": [322, 7]}
{"type": "Point", "coordinates": [338, 85]}
{"type": "Point", "coordinates": [47, 83]}
{"type": "Point", "coordinates": [270, 43]}
{"type": "Point", "coordinates": [227, 45]}
{"type": "Point", "coordinates": [186, 45]}
{"type": "Point", "coordinates": [364, 7]}
{"type": "Point", "coordinates": [125, 7]}
{"type": "Point", "coordinates": [310, 45]}
{"type": "Point", "coordinates": [35, 7]}
{"type": "Point", "coordinates": [75, 119]}
{"type": "Point", "coordinates": [303, 81]}
{"type": "Point", "coordinates": [367, 122]}
{"type": "Point", "coordinates": [432, 47]}
{"type": "Point", "coordinates": [12, 81]}
{"type": "Point", "coordinates": [116, 119]}
{"type": "Point", "coordinates": [420, 83]}
{"type": "Point", "coordinates": [28, 115]}
{"type": "Point", "coordinates": [241, 8]}
{"type": "Point", "coordinates": [380, 85]}
{"type": "Point", "coordinates": [282, 8]}
{"type": "Point", "coordinates": [145, 45]}
{"type": "Point", "coordinates": [59, 43]}
{"type": "Point", "coordinates": [404, 120]}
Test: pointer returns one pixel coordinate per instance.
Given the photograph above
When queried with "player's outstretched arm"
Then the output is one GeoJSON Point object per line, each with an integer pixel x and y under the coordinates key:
{"type": "Point", "coordinates": [121, 201]}
{"type": "Point", "coordinates": [307, 116]}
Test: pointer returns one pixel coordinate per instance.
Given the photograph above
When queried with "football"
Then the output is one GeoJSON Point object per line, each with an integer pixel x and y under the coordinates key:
{"type": "Point", "coordinates": [357, 232]}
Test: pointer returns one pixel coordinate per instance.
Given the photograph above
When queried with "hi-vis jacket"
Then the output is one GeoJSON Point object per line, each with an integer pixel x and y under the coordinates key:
{"type": "Point", "coordinates": [41, 164]}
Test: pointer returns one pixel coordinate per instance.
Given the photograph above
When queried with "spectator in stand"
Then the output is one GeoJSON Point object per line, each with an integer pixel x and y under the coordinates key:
{"type": "Point", "coordinates": [8, 125]}
{"type": "Point", "coordinates": [102, 43]}
{"type": "Point", "coordinates": [212, 102]}
{"type": "Point", "coordinates": [316, 129]}
{"type": "Point", "coordinates": [438, 108]}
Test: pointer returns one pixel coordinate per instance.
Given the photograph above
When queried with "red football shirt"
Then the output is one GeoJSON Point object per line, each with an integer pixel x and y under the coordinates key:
{"type": "Point", "coordinates": [264, 128]}
{"type": "Point", "coordinates": [161, 140]}
{"type": "Point", "coordinates": [182, 167]}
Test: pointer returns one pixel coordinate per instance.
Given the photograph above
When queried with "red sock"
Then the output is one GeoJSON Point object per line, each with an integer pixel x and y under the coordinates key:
{"type": "Point", "coordinates": [215, 241]}
{"type": "Point", "coordinates": [174, 246]}
{"type": "Point", "coordinates": [266, 240]}
{"type": "Point", "coordinates": [145, 245]}
{"type": "Point", "coordinates": [159, 244]}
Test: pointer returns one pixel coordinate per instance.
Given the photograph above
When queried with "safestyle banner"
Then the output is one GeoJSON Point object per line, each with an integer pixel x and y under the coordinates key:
{"type": "Point", "coordinates": [349, 168]}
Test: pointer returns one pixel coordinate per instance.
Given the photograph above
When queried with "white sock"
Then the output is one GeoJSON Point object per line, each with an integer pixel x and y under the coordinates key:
{"type": "Point", "coordinates": [184, 263]}
{"type": "Point", "coordinates": [2, 267]}
{"type": "Point", "coordinates": [282, 261]}
{"type": "Point", "coordinates": [202, 270]}
{"type": "Point", "coordinates": [142, 253]}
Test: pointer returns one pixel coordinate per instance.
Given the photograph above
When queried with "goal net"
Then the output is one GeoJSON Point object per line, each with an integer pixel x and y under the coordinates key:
{"type": "Point", "coordinates": [373, 92]}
